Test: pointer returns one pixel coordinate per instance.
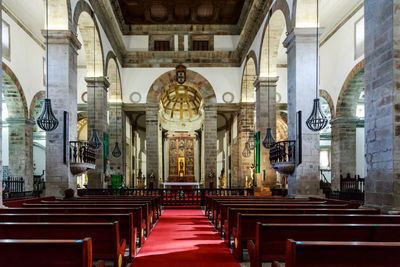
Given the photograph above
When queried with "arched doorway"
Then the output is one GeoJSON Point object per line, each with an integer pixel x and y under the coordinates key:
{"type": "Point", "coordinates": [187, 114]}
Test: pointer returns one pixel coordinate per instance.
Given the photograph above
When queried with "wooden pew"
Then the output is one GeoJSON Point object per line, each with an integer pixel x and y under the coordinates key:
{"type": "Point", "coordinates": [47, 253]}
{"type": "Point", "coordinates": [126, 227]}
{"type": "Point", "coordinates": [270, 240]}
{"type": "Point", "coordinates": [231, 220]}
{"type": "Point", "coordinates": [107, 244]}
{"type": "Point", "coordinates": [143, 206]}
{"type": "Point", "coordinates": [138, 221]}
{"type": "Point", "coordinates": [245, 229]}
{"type": "Point", "coordinates": [221, 214]}
{"type": "Point", "coordinates": [324, 253]}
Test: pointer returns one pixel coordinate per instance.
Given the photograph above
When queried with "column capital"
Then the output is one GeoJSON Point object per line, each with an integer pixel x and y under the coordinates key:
{"type": "Point", "coordinates": [98, 82]}
{"type": "Point", "coordinates": [265, 82]}
{"type": "Point", "coordinates": [303, 35]}
{"type": "Point", "coordinates": [343, 121]}
{"type": "Point", "coordinates": [20, 121]}
{"type": "Point", "coordinates": [63, 37]}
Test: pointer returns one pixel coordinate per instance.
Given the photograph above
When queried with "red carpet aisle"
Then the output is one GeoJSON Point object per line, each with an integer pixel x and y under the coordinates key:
{"type": "Point", "coordinates": [184, 237]}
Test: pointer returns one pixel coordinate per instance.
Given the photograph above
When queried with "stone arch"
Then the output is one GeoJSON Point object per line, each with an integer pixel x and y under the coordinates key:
{"type": "Point", "coordinates": [248, 77]}
{"type": "Point", "coordinates": [60, 15]}
{"type": "Point", "coordinates": [84, 20]}
{"type": "Point", "coordinates": [281, 126]}
{"type": "Point", "coordinates": [13, 94]}
{"type": "Point", "coordinates": [193, 79]}
{"type": "Point", "coordinates": [36, 104]}
{"type": "Point", "coordinates": [304, 13]}
{"type": "Point", "coordinates": [350, 92]}
{"type": "Point", "coordinates": [278, 22]}
{"type": "Point", "coordinates": [325, 95]}
{"type": "Point", "coordinates": [112, 71]}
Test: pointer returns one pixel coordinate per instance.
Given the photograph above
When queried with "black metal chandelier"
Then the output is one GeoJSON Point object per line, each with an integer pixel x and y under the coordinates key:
{"type": "Point", "coordinates": [317, 120]}
{"type": "Point", "coordinates": [47, 121]}
{"type": "Point", "coordinates": [269, 141]}
{"type": "Point", "coordinates": [94, 139]}
{"type": "Point", "coordinates": [116, 151]}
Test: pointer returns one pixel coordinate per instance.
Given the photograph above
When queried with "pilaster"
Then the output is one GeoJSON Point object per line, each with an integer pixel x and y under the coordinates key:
{"type": "Point", "coordinates": [63, 46]}
{"type": "Point", "coordinates": [210, 144]}
{"type": "Point", "coordinates": [263, 85]}
{"type": "Point", "coordinates": [152, 142]}
{"type": "Point", "coordinates": [301, 47]}
{"type": "Point", "coordinates": [97, 119]}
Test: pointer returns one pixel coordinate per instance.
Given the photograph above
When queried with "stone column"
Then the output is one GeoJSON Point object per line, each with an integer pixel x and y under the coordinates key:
{"type": "Point", "coordinates": [20, 139]}
{"type": "Point", "coordinates": [301, 45]}
{"type": "Point", "coordinates": [1, 126]}
{"type": "Point", "coordinates": [263, 84]}
{"type": "Point", "coordinates": [245, 124]}
{"type": "Point", "coordinates": [210, 143]}
{"type": "Point", "coordinates": [382, 104]}
{"type": "Point", "coordinates": [63, 46]}
{"type": "Point", "coordinates": [152, 144]}
{"type": "Point", "coordinates": [97, 118]}
{"type": "Point", "coordinates": [117, 132]}
{"type": "Point", "coordinates": [343, 149]}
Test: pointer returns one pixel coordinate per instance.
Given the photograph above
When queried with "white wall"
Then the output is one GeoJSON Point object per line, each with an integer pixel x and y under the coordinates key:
{"type": "Point", "coordinates": [140, 79]}
{"type": "Point", "coordinates": [226, 42]}
{"type": "Point", "coordinates": [337, 58]}
{"type": "Point", "coordinates": [281, 87]}
{"type": "Point", "coordinates": [26, 60]}
{"type": "Point", "coordinates": [137, 42]}
{"type": "Point", "coordinates": [39, 159]}
{"type": "Point", "coordinates": [360, 159]}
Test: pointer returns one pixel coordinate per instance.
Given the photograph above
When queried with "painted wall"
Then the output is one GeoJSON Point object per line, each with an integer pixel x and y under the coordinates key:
{"type": "Point", "coordinates": [140, 79]}
{"type": "Point", "coordinates": [361, 167]}
{"type": "Point", "coordinates": [226, 42]}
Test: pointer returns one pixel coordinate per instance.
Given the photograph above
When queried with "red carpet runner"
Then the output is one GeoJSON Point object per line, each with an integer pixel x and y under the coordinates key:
{"type": "Point", "coordinates": [184, 237]}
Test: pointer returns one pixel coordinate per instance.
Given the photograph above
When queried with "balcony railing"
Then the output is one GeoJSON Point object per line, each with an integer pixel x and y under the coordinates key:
{"type": "Point", "coordinates": [283, 151]}
{"type": "Point", "coordinates": [82, 157]}
{"type": "Point", "coordinates": [81, 152]}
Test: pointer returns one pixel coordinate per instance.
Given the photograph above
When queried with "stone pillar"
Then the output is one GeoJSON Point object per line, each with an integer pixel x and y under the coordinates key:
{"type": "Point", "coordinates": [152, 144]}
{"type": "Point", "coordinates": [300, 44]}
{"type": "Point", "coordinates": [20, 139]}
{"type": "Point", "coordinates": [1, 126]}
{"type": "Point", "coordinates": [382, 104]}
{"type": "Point", "coordinates": [117, 132]}
{"type": "Point", "coordinates": [263, 84]}
{"type": "Point", "coordinates": [97, 118]}
{"type": "Point", "coordinates": [343, 149]}
{"type": "Point", "coordinates": [210, 143]}
{"type": "Point", "coordinates": [63, 46]}
{"type": "Point", "coordinates": [245, 124]}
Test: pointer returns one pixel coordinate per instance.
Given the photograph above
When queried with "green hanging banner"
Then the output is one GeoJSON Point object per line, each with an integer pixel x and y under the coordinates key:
{"type": "Point", "coordinates": [105, 149]}
{"type": "Point", "coordinates": [258, 152]}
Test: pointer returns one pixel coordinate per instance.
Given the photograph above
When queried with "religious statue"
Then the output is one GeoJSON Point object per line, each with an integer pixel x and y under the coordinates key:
{"type": "Point", "coordinates": [181, 172]}
{"type": "Point", "coordinates": [151, 180]}
{"type": "Point", "coordinates": [107, 175]}
{"type": "Point", "coordinates": [221, 179]}
{"type": "Point", "coordinates": [253, 175]}
{"type": "Point", "coordinates": [211, 176]}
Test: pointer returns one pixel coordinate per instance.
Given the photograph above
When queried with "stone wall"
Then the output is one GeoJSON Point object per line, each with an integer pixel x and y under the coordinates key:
{"type": "Point", "coordinates": [210, 143]}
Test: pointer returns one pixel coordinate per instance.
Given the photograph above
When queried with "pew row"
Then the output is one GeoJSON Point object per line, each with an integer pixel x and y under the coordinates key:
{"type": "Point", "coordinates": [245, 229]}
{"type": "Point", "coordinates": [106, 241]}
{"type": "Point", "coordinates": [47, 253]}
{"type": "Point", "coordinates": [346, 254]}
{"type": "Point", "coordinates": [270, 240]}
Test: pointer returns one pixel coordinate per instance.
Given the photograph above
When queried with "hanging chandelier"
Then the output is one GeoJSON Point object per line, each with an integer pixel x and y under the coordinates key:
{"type": "Point", "coordinates": [94, 139]}
{"type": "Point", "coordinates": [47, 121]}
{"type": "Point", "coordinates": [116, 151]}
{"type": "Point", "coordinates": [317, 120]}
{"type": "Point", "coordinates": [269, 141]}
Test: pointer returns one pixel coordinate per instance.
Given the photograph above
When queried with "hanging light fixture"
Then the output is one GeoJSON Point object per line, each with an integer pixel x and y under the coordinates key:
{"type": "Point", "coordinates": [246, 151]}
{"type": "Point", "coordinates": [317, 120]}
{"type": "Point", "coordinates": [116, 151]}
{"type": "Point", "coordinates": [269, 141]}
{"type": "Point", "coordinates": [94, 139]}
{"type": "Point", "coordinates": [47, 121]}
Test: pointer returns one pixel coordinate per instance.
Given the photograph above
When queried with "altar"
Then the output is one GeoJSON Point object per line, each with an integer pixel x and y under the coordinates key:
{"type": "Point", "coordinates": [184, 184]}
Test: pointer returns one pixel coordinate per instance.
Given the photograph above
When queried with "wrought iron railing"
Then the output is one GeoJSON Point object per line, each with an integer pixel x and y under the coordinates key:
{"type": "Point", "coordinates": [81, 152]}
{"type": "Point", "coordinates": [172, 197]}
{"type": "Point", "coordinates": [14, 184]}
{"type": "Point", "coordinates": [349, 184]}
{"type": "Point", "coordinates": [283, 151]}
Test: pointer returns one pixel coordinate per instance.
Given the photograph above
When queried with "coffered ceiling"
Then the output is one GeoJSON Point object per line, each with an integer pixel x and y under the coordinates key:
{"type": "Point", "coordinates": [218, 16]}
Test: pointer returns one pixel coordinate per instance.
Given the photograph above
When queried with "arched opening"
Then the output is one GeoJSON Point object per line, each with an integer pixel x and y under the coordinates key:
{"type": "Point", "coordinates": [325, 138]}
{"type": "Point", "coordinates": [348, 128]}
{"type": "Point", "coordinates": [17, 131]}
